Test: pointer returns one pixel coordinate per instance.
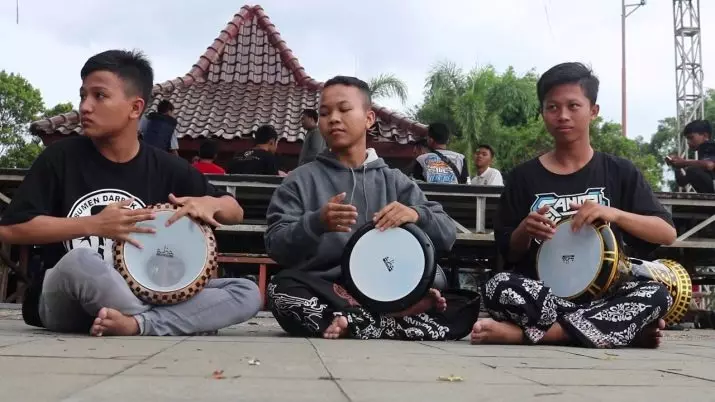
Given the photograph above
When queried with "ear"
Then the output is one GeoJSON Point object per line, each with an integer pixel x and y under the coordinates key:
{"type": "Point", "coordinates": [595, 109]}
{"type": "Point", "coordinates": [370, 119]}
{"type": "Point", "coordinates": [137, 108]}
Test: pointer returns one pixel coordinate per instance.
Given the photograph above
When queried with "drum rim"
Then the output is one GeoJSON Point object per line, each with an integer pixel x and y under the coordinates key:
{"type": "Point", "coordinates": [413, 297]}
{"type": "Point", "coordinates": [600, 264]}
{"type": "Point", "coordinates": [619, 256]}
{"type": "Point", "coordinates": [162, 297]}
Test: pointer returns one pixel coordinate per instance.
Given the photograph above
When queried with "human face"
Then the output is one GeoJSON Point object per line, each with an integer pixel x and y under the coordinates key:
{"type": "Point", "coordinates": [695, 139]}
{"type": "Point", "coordinates": [482, 158]}
{"type": "Point", "coordinates": [307, 122]}
{"type": "Point", "coordinates": [344, 117]}
{"type": "Point", "coordinates": [567, 113]}
{"type": "Point", "coordinates": [105, 108]}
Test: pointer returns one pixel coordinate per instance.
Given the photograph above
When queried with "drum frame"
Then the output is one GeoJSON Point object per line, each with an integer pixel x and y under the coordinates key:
{"type": "Point", "coordinates": [209, 270]}
{"type": "Point", "coordinates": [422, 288]}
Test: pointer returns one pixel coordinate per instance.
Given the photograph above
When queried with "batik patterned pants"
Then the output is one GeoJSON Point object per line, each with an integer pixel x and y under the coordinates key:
{"type": "Point", "coordinates": [614, 320]}
{"type": "Point", "coordinates": [305, 305]}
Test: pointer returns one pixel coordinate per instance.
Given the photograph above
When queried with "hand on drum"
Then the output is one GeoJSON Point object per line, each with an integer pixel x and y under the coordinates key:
{"type": "Point", "coordinates": [336, 216]}
{"type": "Point", "coordinates": [117, 221]}
{"type": "Point", "coordinates": [201, 208]}
{"type": "Point", "coordinates": [538, 226]}
{"type": "Point", "coordinates": [394, 215]}
{"type": "Point", "coordinates": [589, 212]}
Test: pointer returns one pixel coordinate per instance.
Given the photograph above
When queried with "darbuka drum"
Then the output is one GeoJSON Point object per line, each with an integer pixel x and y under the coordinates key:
{"type": "Point", "coordinates": [579, 266]}
{"type": "Point", "coordinates": [584, 265]}
{"type": "Point", "coordinates": [173, 264]}
{"type": "Point", "coordinates": [389, 271]}
{"type": "Point", "coordinates": [671, 274]}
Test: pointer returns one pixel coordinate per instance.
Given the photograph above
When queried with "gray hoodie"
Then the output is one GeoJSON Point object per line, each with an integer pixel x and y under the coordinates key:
{"type": "Point", "coordinates": [296, 238]}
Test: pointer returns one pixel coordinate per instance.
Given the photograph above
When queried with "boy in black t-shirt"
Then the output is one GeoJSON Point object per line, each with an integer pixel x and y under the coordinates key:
{"type": "Point", "coordinates": [698, 173]}
{"type": "Point", "coordinates": [84, 192]}
{"type": "Point", "coordinates": [573, 181]}
{"type": "Point", "coordinates": [261, 159]}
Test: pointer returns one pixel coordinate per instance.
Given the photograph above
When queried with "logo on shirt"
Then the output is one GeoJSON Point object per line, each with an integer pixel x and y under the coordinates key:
{"type": "Point", "coordinates": [92, 204]}
{"type": "Point", "coordinates": [437, 171]}
{"type": "Point", "coordinates": [560, 205]}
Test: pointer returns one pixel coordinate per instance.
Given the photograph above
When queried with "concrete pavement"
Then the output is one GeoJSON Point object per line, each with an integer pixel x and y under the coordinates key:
{"type": "Point", "coordinates": [255, 362]}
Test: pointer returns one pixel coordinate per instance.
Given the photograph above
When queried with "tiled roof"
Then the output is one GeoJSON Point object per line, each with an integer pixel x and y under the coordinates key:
{"type": "Point", "coordinates": [246, 78]}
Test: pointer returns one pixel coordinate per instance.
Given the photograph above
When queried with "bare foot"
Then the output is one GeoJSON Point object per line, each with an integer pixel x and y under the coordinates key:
{"type": "Point", "coordinates": [338, 329]}
{"type": "Point", "coordinates": [111, 322]}
{"type": "Point", "coordinates": [433, 299]}
{"type": "Point", "coordinates": [489, 331]}
{"type": "Point", "coordinates": [651, 336]}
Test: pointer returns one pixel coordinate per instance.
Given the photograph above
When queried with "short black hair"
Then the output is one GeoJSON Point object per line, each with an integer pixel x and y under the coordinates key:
{"type": "Point", "coordinates": [439, 132]}
{"type": "Point", "coordinates": [698, 127]}
{"type": "Point", "coordinates": [568, 73]}
{"type": "Point", "coordinates": [164, 107]}
{"type": "Point", "coordinates": [131, 66]}
{"type": "Point", "coordinates": [487, 147]}
{"type": "Point", "coordinates": [265, 133]}
{"type": "Point", "coordinates": [312, 113]}
{"type": "Point", "coordinates": [208, 149]}
{"type": "Point", "coordinates": [352, 82]}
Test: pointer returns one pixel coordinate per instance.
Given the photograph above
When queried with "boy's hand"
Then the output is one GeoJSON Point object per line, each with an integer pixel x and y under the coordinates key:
{"type": "Point", "coordinates": [336, 216]}
{"type": "Point", "coordinates": [394, 215]}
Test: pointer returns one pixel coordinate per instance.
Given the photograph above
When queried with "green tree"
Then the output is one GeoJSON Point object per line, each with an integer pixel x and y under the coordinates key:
{"type": "Point", "coordinates": [20, 104]}
{"type": "Point", "coordinates": [58, 109]}
{"type": "Point", "coordinates": [388, 86]}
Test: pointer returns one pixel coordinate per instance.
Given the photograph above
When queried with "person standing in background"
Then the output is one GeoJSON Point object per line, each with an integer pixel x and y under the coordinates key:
{"type": "Point", "coordinates": [159, 128]}
{"type": "Point", "coordinates": [486, 174]}
{"type": "Point", "coordinates": [314, 143]}
{"type": "Point", "coordinates": [438, 164]}
{"type": "Point", "coordinates": [261, 159]}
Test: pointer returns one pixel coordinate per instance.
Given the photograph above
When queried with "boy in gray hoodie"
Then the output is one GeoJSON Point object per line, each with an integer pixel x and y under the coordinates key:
{"type": "Point", "coordinates": [311, 217]}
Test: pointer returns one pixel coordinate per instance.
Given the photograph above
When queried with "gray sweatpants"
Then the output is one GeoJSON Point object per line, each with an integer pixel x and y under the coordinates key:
{"type": "Point", "coordinates": [82, 283]}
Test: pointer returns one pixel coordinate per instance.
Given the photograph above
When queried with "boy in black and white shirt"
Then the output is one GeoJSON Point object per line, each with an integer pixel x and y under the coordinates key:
{"type": "Point", "coordinates": [83, 193]}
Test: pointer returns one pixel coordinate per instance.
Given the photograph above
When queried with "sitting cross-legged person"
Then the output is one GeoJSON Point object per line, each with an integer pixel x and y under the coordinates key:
{"type": "Point", "coordinates": [315, 210]}
{"type": "Point", "coordinates": [85, 192]}
{"type": "Point", "coordinates": [543, 191]}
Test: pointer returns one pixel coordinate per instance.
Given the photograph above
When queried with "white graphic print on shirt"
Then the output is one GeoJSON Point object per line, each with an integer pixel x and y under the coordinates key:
{"type": "Point", "coordinates": [92, 204]}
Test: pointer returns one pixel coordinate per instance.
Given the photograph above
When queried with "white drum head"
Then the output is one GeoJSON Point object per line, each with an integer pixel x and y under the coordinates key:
{"type": "Point", "coordinates": [569, 262]}
{"type": "Point", "coordinates": [387, 266]}
{"type": "Point", "coordinates": [172, 258]}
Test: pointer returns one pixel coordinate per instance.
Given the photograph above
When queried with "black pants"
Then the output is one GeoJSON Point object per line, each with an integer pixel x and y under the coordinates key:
{"type": "Point", "coordinates": [612, 321]}
{"type": "Point", "coordinates": [700, 178]}
{"type": "Point", "coordinates": [305, 305]}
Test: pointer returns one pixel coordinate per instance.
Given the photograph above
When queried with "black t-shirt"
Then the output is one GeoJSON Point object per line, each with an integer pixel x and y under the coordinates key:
{"type": "Point", "coordinates": [72, 179]}
{"type": "Point", "coordinates": [606, 179]}
{"type": "Point", "coordinates": [254, 161]}
{"type": "Point", "coordinates": [706, 151]}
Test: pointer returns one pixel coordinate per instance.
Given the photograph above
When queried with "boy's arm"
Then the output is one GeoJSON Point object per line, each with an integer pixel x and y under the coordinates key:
{"type": "Point", "coordinates": [293, 234]}
{"type": "Point", "coordinates": [431, 217]}
{"type": "Point", "coordinates": [28, 220]}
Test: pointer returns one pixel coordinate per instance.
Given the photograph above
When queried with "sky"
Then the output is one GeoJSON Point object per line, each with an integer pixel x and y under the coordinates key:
{"type": "Point", "coordinates": [407, 38]}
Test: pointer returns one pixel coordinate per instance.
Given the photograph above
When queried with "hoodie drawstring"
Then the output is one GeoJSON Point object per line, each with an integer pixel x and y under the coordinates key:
{"type": "Point", "coordinates": [364, 192]}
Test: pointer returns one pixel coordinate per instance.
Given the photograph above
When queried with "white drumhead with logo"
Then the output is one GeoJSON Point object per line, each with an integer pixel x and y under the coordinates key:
{"type": "Point", "coordinates": [170, 259]}
{"type": "Point", "coordinates": [387, 266]}
{"type": "Point", "coordinates": [570, 261]}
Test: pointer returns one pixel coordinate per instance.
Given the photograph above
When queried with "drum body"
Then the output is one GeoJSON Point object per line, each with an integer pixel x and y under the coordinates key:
{"type": "Point", "coordinates": [579, 266]}
{"type": "Point", "coordinates": [388, 271]}
{"type": "Point", "coordinates": [583, 266]}
{"type": "Point", "coordinates": [174, 264]}
{"type": "Point", "coordinates": [673, 276]}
